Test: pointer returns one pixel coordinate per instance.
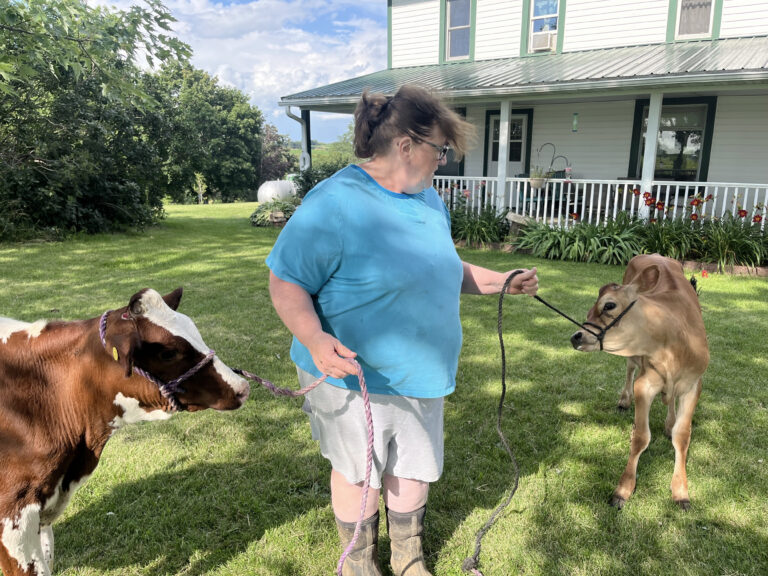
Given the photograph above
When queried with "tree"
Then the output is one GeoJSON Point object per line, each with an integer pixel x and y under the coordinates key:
{"type": "Point", "coordinates": [216, 133]}
{"type": "Point", "coordinates": [80, 140]}
{"type": "Point", "coordinates": [43, 38]}
{"type": "Point", "coordinates": [276, 157]}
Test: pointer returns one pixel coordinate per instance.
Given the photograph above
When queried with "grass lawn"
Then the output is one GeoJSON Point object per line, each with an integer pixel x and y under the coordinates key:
{"type": "Point", "coordinates": [246, 492]}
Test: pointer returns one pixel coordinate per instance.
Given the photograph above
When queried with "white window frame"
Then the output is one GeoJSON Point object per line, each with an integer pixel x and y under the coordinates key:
{"type": "Point", "coordinates": [706, 34]}
{"type": "Point", "coordinates": [532, 18]}
{"type": "Point", "coordinates": [449, 29]}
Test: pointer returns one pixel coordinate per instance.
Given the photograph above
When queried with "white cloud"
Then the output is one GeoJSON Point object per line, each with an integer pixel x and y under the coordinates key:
{"type": "Point", "coordinates": [272, 48]}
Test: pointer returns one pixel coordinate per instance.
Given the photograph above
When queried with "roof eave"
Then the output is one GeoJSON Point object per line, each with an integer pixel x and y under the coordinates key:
{"type": "Point", "coordinates": [655, 82]}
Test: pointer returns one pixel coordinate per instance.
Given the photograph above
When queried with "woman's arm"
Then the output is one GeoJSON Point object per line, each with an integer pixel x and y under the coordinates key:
{"type": "Point", "coordinates": [478, 280]}
{"type": "Point", "coordinates": [294, 306]}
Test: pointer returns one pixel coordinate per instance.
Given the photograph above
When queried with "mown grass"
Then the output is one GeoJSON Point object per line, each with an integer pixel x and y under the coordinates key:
{"type": "Point", "coordinates": [245, 493]}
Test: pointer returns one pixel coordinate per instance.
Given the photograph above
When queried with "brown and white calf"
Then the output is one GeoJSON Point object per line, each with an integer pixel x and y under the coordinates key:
{"type": "Point", "coordinates": [65, 387]}
{"type": "Point", "coordinates": [653, 319]}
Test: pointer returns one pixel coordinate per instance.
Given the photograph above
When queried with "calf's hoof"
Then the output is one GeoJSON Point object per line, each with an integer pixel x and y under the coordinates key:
{"type": "Point", "coordinates": [684, 504]}
{"type": "Point", "coordinates": [618, 501]}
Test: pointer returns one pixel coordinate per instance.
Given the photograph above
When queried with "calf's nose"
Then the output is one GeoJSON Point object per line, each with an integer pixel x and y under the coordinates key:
{"type": "Point", "coordinates": [576, 339]}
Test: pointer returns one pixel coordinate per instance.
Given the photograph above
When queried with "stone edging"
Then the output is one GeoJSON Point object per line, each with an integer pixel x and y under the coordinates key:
{"type": "Point", "coordinates": [693, 266]}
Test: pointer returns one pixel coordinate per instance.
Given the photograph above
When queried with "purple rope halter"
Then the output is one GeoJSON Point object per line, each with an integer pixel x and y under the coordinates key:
{"type": "Point", "coordinates": [169, 390]}
{"type": "Point", "coordinates": [369, 454]}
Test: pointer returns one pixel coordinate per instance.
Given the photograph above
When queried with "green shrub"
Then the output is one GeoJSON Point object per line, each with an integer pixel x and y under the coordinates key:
{"type": "Point", "coordinates": [612, 243]}
{"type": "Point", "coordinates": [481, 228]}
{"type": "Point", "coordinates": [678, 239]}
{"type": "Point", "coordinates": [730, 241]}
{"type": "Point", "coordinates": [308, 179]}
{"type": "Point", "coordinates": [260, 216]}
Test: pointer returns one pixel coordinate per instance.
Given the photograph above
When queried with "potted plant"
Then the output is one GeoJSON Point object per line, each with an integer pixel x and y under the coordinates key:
{"type": "Point", "coordinates": [539, 177]}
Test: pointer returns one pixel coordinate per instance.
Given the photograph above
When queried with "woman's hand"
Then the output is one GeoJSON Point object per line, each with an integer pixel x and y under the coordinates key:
{"type": "Point", "coordinates": [527, 282]}
{"type": "Point", "coordinates": [330, 356]}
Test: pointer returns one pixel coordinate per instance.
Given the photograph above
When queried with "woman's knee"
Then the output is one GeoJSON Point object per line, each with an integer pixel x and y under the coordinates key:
{"type": "Point", "coordinates": [404, 494]}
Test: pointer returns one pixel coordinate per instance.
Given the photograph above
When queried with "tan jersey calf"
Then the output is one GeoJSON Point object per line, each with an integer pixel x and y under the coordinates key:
{"type": "Point", "coordinates": [661, 333]}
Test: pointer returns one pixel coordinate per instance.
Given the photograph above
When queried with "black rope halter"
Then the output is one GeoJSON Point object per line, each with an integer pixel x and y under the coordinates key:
{"type": "Point", "coordinates": [599, 335]}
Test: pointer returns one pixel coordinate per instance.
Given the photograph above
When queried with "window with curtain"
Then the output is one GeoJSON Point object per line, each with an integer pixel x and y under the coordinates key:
{"type": "Point", "coordinates": [458, 20]}
{"type": "Point", "coordinates": [694, 18]}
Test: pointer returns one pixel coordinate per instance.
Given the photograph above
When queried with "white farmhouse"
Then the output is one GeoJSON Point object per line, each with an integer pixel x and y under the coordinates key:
{"type": "Point", "coordinates": [573, 87]}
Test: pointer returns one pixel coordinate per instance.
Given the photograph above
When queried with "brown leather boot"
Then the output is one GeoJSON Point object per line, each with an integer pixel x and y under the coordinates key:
{"type": "Point", "coordinates": [363, 559]}
{"type": "Point", "coordinates": [405, 533]}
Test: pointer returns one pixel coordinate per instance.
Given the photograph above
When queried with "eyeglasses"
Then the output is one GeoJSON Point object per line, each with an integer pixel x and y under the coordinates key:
{"type": "Point", "coordinates": [442, 151]}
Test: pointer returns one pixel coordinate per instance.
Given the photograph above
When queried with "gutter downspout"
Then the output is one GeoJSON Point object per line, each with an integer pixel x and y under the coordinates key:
{"type": "Point", "coordinates": [305, 159]}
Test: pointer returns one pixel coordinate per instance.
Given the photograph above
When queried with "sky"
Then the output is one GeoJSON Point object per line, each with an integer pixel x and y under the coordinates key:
{"type": "Point", "coordinates": [272, 48]}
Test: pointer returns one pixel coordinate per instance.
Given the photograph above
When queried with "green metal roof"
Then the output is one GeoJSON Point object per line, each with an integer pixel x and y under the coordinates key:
{"type": "Point", "coordinates": [653, 66]}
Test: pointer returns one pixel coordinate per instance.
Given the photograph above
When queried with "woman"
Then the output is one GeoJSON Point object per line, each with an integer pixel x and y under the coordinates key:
{"type": "Point", "coordinates": [366, 271]}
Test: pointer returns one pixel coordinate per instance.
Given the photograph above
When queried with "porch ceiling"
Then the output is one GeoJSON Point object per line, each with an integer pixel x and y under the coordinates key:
{"type": "Point", "coordinates": [693, 65]}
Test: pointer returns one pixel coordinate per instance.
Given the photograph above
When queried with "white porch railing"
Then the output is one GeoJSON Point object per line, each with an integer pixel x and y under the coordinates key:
{"type": "Point", "coordinates": [566, 202]}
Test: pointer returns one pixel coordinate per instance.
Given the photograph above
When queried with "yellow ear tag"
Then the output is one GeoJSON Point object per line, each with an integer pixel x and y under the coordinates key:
{"type": "Point", "coordinates": [114, 354]}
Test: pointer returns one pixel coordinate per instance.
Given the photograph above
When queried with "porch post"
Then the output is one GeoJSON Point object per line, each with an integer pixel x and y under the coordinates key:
{"type": "Point", "coordinates": [501, 175]}
{"type": "Point", "coordinates": [649, 154]}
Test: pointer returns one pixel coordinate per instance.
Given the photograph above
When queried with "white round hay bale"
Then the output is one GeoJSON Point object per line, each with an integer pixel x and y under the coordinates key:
{"type": "Point", "coordinates": [275, 190]}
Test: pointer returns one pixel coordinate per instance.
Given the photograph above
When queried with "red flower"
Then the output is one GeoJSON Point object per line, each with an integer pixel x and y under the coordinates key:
{"type": "Point", "coordinates": [575, 215]}
{"type": "Point", "coordinates": [704, 274]}
{"type": "Point", "coordinates": [650, 201]}
{"type": "Point", "coordinates": [742, 213]}
{"type": "Point", "coordinates": [636, 191]}
{"type": "Point", "coordinates": [694, 216]}
{"type": "Point", "coordinates": [757, 218]}
{"type": "Point", "coordinates": [709, 197]}
{"type": "Point", "coordinates": [646, 195]}
{"type": "Point", "coordinates": [659, 205]}
{"type": "Point", "coordinates": [653, 220]}
{"type": "Point", "coordinates": [695, 202]}
{"type": "Point", "coordinates": [465, 193]}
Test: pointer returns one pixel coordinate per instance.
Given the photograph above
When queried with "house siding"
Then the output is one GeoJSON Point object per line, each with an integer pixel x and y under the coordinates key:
{"type": "Point", "coordinates": [588, 25]}
{"type": "Point", "coordinates": [498, 29]}
{"type": "Point", "coordinates": [743, 18]}
{"type": "Point", "coordinates": [740, 145]}
{"type": "Point", "coordinates": [591, 24]}
{"type": "Point", "coordinates": [415, 32]}
{"type": "Point", "coordinates": [473, 162]}
{"type": "Point", "coordinates": [598, 150]}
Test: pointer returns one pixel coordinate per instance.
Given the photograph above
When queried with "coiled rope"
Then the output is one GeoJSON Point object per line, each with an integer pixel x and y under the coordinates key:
{"type": "Point", "coordinates": [470, 563]}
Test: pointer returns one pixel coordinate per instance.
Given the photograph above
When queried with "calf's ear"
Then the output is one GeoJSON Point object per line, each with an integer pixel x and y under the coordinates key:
{"type": "Point", "coordinates": [647, 279]}
{"type": "Point", "coordinates": [123, 347]}
{"type": "Point", "coordinates": [173, 299]}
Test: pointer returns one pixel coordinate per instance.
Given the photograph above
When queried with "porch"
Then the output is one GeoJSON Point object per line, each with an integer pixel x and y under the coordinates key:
{"type": "Point", "coordinates": [565, 202]}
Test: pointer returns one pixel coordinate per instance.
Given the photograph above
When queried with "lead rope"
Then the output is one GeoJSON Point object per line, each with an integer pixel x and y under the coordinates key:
{"type": "Point", "coordinates": [369, 454]}
{"type": "Point", "coordinates": [470, 564]}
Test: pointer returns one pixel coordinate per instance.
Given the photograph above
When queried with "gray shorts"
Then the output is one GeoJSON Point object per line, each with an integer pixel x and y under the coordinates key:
{"type": "Point", "coordinates": [408, 432]}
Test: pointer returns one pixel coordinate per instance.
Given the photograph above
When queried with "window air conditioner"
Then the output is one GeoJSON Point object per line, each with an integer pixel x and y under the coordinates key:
{"type": "Point", "coordinates": [541, 41]}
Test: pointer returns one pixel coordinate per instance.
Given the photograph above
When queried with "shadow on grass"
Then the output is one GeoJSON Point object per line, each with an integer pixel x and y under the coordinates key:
{"type": "Point", "coordinates": [193, 519]}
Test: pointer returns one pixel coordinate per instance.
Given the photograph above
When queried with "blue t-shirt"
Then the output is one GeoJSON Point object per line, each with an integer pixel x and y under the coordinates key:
{"type": "Point", "coordinates": [384, 277]}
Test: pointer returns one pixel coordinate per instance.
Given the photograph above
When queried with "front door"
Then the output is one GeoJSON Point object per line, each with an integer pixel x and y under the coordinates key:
{"type": "Point", "coordinates": [516, 151]}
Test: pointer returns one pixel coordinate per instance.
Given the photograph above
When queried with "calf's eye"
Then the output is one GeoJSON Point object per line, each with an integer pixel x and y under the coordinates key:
{"type": "Point", "coordinates": [609, 306]}
{"type": "Point", "coordinates": [168, 355]}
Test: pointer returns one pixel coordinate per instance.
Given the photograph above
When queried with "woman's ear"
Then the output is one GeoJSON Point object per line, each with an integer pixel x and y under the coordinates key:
{"type": "Point", "coordinates": [405, 146]}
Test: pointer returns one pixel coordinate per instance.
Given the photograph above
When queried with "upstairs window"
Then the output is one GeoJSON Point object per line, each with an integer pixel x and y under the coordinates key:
{"type": "Point", "coordinates": [694, 18]}
{"type": "Point", "coordinates": [458, 23]}
{"type": "Point", "coordinates": [543, 30]}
